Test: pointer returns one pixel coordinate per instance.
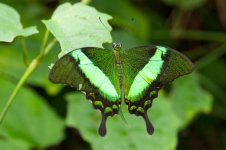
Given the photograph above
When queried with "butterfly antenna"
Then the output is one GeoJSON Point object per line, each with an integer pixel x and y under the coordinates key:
{"type": "Point", "coordinates": [104, 25]}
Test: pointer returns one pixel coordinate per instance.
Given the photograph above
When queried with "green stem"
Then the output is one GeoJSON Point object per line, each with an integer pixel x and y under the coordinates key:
{"type": "Point", "coordinates": [45, 39]}
{"type": "Point", "coordinates": [177, 16]}
{"type": "Point", "coordinates": [191, 35]}
{"type": "Point", "coordinates": [27, 73]}
{"type": "Point", "coordinates": [33, 65]}
{"type": "Point", "coordinates": [212, 56]}
{"type": "Point", "coordinates": [25, 52]}
{"type": "Point", "coordinates": [213, 87]}
{"type": "Point", "coordinates": [50, 46]}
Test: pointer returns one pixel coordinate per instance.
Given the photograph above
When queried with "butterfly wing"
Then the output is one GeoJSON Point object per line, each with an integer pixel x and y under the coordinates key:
{"type": "Point", "coordinates": [93, 71]}
{"type": "Point", "coordinates": [146, 70]}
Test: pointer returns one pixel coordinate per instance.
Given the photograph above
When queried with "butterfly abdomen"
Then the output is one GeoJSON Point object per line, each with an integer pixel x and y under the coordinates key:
{"type": "Point", "coordinates": [119, 62]}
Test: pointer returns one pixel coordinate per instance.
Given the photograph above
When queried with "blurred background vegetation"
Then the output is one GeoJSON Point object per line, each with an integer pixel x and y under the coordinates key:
{"type": "Point", "coordinates": [189, 114]}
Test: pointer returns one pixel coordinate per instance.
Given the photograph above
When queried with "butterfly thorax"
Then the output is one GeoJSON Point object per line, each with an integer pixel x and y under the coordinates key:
{"type": "Point", "coordinates": [117, 52]}
{"type": "Point", "coordinates": [119, 63]}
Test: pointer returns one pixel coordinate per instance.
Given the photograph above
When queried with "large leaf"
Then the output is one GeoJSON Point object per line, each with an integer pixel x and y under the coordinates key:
{"type": "Point", "coordinates": [10, 25]}
{"type": "Point", "coordinates": [188, 98]}
{"type": "Point", "coordinates": [29, 119]}
{"type": "Point", "coordinates": [11, 144]}
{"type": "Point", "coordinates": [163, 114]}
{"type": "Point", "coordinates": [77, 26]}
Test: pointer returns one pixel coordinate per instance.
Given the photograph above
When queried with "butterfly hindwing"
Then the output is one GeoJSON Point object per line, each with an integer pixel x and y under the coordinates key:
{"type": "Point", "coordinates": [146, 70]}
{"type": "Point", "coordinates": [86, 70]}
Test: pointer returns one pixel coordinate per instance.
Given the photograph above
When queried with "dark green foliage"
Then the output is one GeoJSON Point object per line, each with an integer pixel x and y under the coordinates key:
{"type": "Point", "coordinates": [194, 27]}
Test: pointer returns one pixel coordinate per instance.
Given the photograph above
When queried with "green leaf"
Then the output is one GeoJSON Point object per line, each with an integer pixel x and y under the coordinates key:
{"type": "Point", "coordinates": [185, 4]}
{"type": "Point", "coordinates": [77, 26]}
{"type": "Point", "coordinates": [10, 25]}
{"type": "Point", "coordinates": [29, 119]}
{"type": "Point", "coordinates": [188, 98]}
{"type": "Point", "coordinates": [13, 144]}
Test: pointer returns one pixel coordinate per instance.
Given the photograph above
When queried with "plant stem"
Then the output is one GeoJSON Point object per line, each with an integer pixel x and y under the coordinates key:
{"type": "Point", "coordinates": [32, 66]}
{"type": "Point", "coordinates": [212, 56]}
{"type": "Point", "coordinates": [45, 39]}
{"type": "Point", "coordinates": [213, 87]}
{"type": "Point", "coordinates": [50, 46]}
{"type": "Point", "coordinates": [177, 17]}
{"type": "Point", "coordinates": [25, 53]}
{"type": "Point", "coordinates": [191, 35]}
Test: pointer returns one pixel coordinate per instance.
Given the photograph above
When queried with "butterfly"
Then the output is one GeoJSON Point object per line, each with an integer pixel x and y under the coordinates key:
{"type": "Point", "coordinates": [109, 77]}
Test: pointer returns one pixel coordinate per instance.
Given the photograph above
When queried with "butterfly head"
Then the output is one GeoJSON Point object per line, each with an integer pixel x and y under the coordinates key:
{"type": "Point", "coordinates": [117, 46]}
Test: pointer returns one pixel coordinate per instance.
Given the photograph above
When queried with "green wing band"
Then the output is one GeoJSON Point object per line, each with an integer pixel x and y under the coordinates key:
{"type": "Point", "coordinates": [147, 75]}
{"type": "Point", "coordinates": [91, 70]}
{"type": "Point", "coordinates": [95, 76]}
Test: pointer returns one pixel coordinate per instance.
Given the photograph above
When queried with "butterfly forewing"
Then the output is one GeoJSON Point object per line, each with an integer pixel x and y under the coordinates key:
{"type": "Point", "coordinates": [146, 70]}
{"type": "Point", "coordinates": [66, 71]}
{"type": "Point", "coordinates": [134, 60]}
{"type": "Point", "coordinates": [92, 70]}
{"type": "Point", "coordinates": [175, 65]}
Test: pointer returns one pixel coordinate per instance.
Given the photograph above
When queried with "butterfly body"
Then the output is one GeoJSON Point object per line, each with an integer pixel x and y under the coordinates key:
{"type": "Point", "coordinates": [110, 77]}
